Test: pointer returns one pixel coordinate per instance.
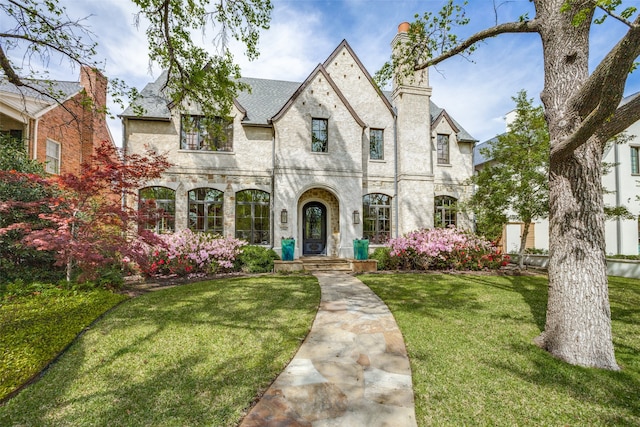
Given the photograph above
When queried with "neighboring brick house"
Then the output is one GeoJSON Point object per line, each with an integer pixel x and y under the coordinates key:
{"type": "Point", "coordinates": [63, 134]}
{"type": "Point", "coordinates": [621, 188]}
{"type": "Point", "coordinates": [326, 161]}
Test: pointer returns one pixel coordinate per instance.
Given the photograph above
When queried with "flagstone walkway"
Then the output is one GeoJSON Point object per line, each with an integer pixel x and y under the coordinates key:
{"type": "Point", "coordinates": [352, 369]}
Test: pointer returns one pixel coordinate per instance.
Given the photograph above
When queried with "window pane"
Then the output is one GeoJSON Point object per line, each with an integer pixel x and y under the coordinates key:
{"type": "Point", "coordinates": [206, 134]}
{"type": "Point", "coordinates": [377, 217]}
{"type": "Point", "coordinates": [635, 160]}
{"type": "Point", "coordinates": [319, 135]}
{"type": "Point", "coordinates": [252, 216]}
{"type": "Point", "coordinates": [445, 211]}
{"type": "Point", "coordinates": [443, 149]}
{"type": "Point", "coordinates": [376, 144]}
{"type": "Point", "coordinates": [157, 209]}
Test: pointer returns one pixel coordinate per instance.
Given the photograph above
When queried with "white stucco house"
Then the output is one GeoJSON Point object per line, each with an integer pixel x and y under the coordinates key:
{"type": "Point", "coordinates": [325, 161]}
{"type": "Point", "coordinates": [621, 188]}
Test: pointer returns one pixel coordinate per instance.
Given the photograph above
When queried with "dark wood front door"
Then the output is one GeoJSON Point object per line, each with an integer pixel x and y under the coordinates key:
{"type": "Point", "coordinates": [314, 233]}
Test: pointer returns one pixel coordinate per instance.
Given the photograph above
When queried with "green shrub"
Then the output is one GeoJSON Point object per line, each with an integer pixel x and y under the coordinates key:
{"type": "Point", "coordinates": [629, 257]}
{"type": "Point", "coordinates": [256, 259]}
{"type": "Point", "coordinates": [384, 258]}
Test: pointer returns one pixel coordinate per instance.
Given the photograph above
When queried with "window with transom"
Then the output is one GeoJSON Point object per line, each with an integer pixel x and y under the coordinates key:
{"type": "Point", "coordinates": [157, 209]}
{"type": "Point", "coordinates": [376, 210]}
{"type": "Point", "coordinates": [205, 210]}
{"type": "Point", "coordinates": [252, 216]}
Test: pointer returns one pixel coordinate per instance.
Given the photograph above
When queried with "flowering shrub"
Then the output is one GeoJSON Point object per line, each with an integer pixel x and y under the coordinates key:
{"type": "Point", "coordinates": [444, 248]}
{"type": "Point", "coordinates": [185, 252]}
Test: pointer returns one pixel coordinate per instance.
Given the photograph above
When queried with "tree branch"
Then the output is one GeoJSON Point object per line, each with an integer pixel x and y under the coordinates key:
{"type": "Point", "coordinates": [626, 115]}
{"type": "Point", "coordinates": [617, 17]}
{"type": "Point", "coordinates": [509, 27]}
{"type": "Point", "coordinates": [600, 96]}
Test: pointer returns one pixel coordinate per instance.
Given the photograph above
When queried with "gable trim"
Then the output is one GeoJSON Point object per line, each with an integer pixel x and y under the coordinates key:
{"type": "Point", "coordinates": [344, 44]}
{"type": "Point", "coordinates": [445, 116]}
{"type": "Point", "coordinates": [320, 69]}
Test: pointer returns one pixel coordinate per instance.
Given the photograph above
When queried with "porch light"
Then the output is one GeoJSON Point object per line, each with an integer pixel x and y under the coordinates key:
{"type": "Point", "coordinates": [356, 217]}
{"type": "Point", "coordinates": [284, 216]}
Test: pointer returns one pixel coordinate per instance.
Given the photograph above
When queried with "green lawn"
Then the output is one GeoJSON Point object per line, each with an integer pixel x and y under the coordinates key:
{"type": "Point", "coordinates": [185, 356]}
{"type": "Point", "coordinates": [469, 339]}
{"type": "Point", "coordinates": [35, 328]}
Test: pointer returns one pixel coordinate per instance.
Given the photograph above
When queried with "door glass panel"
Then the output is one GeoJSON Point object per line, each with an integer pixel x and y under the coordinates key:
{"type": "Point", "coordinates": [313, 227]}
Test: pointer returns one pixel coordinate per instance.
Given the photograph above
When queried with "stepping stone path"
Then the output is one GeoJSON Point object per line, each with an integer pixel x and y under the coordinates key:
{"type": "Point", "coordinates": [352, 369]}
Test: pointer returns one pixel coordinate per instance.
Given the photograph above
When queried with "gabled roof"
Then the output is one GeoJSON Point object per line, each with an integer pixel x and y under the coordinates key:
{"type": "Point", "coordinates": [154, 104]}
{"type": "Point", "coordinates": [344, 44]}
{"type": "Point", "coordinates": [438, 113]}
{"type": "Point", "coordinates": [318, 70]}
{"type": "Point", "coordinates": [34, 103]}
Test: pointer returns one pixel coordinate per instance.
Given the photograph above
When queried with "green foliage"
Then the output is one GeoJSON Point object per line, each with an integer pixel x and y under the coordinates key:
{"type": "Point", "coordinates": [22, 183]}
{"type": "Point", "coordinates": [36, 327]}
{"type": "Point", "coordinates": [195, 75]}
{"type": "Point", "coordinates": [385, 260]}
{"type": "Point", "coordinates": [428, 36]}
{"type": "Point", "coordinates": [255, 259]}
{"type": "Point", "coordinates": [517, 177]}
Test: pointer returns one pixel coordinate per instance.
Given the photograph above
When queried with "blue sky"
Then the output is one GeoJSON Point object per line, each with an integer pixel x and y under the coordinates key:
{"type": "Point", "coordinates": [476, 91]}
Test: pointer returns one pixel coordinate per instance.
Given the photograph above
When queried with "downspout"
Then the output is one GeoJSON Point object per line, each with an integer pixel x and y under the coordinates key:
{"type": "Point", "coordinates": [395, 174]}
{"type": "Point", "coordinates": [35, 139]}
{"type": "Point", "coordinates": [618, 201]}
{"type": "Point", "coordinates": [273, 187]}
{"type": "Point", "coordinates": [124, 155]}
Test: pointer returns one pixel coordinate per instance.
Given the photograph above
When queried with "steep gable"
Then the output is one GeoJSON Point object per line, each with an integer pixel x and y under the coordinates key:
{"type": "Point", "coordinates": [319, 71]}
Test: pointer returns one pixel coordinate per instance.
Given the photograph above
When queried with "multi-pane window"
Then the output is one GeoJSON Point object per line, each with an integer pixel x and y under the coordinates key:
{"type": "Point", "coordinates": [443, 149]}
{"type": "Point", "coordinates": [206, 134]}
{"type": "Point", "coordinates": [635, 160]}
{"type": "Point", "coordinates": [376, 210]}
{"type": "Point", "coordinates": [53, 157]}
{"type": "Point", "coordinates": [205, 210]}
{"type": "Point", "coordinates": [252, 216]}
{"type": "Point", "coordinates": [319, 135]}
{"type": "Point", "coordinates": [445, 211]}
{"type": "Point", "coordinates": [157, 209]}
{"type": "Point", "coordinates": [376, 144]}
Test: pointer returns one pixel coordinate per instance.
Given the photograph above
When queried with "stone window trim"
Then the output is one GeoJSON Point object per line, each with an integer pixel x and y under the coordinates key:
{"type": "Point", "coordinates": [443, 149]}
{"type": "Point", "coordinates": [319, 135]}
{"type": "Point", "coordinates": [376, 144]}
{"type": "Point", "coordinates": [53, 156]}
{"type": "Point", "coordinates": [200, 134]}
{"type": "Point", "coordinates": [635, 159]}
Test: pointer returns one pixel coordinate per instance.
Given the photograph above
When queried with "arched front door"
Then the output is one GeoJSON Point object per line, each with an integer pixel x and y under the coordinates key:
{"type": "Point", "coordinates": [314, 229]}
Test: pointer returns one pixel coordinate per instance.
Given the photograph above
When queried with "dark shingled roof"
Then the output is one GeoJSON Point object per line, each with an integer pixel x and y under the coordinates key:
{"type": "Point", "coordinates": [267, 97]}
{"type": "Point", "coordinates": [61, 90]}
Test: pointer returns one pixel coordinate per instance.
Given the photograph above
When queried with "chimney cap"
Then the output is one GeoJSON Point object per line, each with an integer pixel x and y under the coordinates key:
{"type": "Point", "coordinates": [403, 27]}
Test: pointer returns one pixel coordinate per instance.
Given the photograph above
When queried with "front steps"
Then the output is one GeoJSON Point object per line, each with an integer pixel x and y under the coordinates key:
{"type": "Point", "coordinates": [323, 263]}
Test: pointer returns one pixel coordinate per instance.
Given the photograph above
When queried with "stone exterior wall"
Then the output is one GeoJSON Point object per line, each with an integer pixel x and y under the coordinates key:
{"type": "Point", "coordinates": [279, 159]}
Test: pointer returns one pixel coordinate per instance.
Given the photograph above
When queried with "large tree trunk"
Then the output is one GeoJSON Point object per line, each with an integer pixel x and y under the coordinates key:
{"type": "Point", "coordinates": [578, 323]}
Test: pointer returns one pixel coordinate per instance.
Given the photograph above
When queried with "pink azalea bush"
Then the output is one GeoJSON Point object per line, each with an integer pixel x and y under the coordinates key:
{"type": "Point", "coordinates": [185, 252]}
{"type": "Point", "coordinates": [444, 248]}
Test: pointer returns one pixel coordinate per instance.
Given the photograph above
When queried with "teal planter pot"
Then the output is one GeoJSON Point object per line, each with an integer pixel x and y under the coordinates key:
{"type": "Point", "coordinates": [288, 249]}
{"type": "Point", "coordinates": [361, 249]}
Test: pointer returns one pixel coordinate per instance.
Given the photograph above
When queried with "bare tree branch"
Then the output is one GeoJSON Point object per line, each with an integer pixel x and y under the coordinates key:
{"type": "Point", "coordinates": [509, 27]}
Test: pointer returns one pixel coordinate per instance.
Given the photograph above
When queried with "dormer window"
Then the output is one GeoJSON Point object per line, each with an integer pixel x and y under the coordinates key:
{"type": "Point", "coordinates": [202, 133]}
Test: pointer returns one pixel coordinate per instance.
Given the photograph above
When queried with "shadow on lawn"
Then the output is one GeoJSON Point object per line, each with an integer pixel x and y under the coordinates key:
{"type": "Point", "coordinates": [190, 355]}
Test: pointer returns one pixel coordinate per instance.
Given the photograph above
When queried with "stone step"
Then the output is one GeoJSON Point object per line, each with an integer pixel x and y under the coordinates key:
{"type": "Point", "coordinates": [325, 264]}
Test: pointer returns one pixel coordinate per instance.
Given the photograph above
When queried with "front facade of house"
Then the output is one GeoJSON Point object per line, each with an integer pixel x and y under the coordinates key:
{"type": "Point", "coordinates": [61, 133]}
{"type": "Point", "coordinates": [324, 161]}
